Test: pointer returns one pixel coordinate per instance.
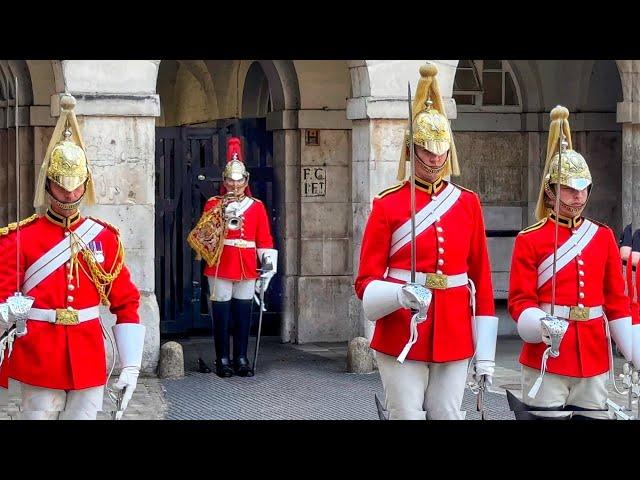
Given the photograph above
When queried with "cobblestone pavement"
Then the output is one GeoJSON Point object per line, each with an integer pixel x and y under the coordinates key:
{"type": "Point", "coordinates": [294, 382]}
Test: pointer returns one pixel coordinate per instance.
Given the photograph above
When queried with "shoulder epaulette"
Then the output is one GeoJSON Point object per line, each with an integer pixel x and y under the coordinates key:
{"type": "Point", "coordinates": [462, 188]}
{"type": "Point", "coordinates": [535, 226]}
{"type": "Point", "coordinates": [104, 223]}
{"type": "Point", "coordinates": [389, 190]}
{"type": "Point", "coordinates": [215, 197]}
{"type": "Point", "coordinates": [13, 226]}
{"type": "Point", "coordinates": [597, 222]}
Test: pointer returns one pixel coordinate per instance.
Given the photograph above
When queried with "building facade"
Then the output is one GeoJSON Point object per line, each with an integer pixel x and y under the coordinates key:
{"type": "Point", "coordinates": [322, 138]}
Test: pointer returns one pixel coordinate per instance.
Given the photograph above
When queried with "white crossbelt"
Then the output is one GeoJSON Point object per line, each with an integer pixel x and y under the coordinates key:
{"type": "Point", "coordinates": [567, 252]}
{"type": "Point", "coordinates": [238, 242]}
{"type": "Point", "coordinates": [421, 277]}
{"type": "Point", "coordinates": [563, 311]}
{"type": "Point", "coordinates": [58, 255]}
{"type": "Point", "coordinates": [49, 315]}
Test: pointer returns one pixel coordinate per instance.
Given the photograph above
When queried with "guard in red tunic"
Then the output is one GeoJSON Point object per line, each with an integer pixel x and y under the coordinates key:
{"type": "Point", "coordinates": [630, 254]}
{"type": "Point", "coordinates": [69, 264]}
{"type": "Point", "coordinates": [590, 298]}
{"type": "Point", "coordinates": [232, 234]}
{"type": "Point", "coordinates": [634, 294]}
{"type": "Point", "coordinates": [423, 364]}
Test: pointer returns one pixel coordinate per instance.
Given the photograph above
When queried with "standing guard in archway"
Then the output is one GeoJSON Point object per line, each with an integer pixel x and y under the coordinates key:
{"type": "Point", "coordinates": [231, 235]}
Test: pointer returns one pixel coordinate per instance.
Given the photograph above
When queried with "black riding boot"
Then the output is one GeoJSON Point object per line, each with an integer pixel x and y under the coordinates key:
{"type": "Point", "coordinates": [242, 321]}
{"type": "Point", "coordinates": [221, 312]}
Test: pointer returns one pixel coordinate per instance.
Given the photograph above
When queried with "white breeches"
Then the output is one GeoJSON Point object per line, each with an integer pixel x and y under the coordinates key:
{"type": "Point", "coordinates": [417, 390]}
{"type": "Point", "coordinates": [50, 404]}
{"type": "Point", "coordinates": [222, 290]}
{"type": "Point", "coordinates": [560, 390]}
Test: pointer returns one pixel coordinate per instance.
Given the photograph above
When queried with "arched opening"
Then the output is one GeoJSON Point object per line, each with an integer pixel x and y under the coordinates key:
{"type": "Point", "coordinates": [600, 141]}
{"type": "Point", "coordinates": [203, 103]}
{"type": "Point", "coordinates": [256, 98]}
{"type": "Point", "coordinates": [10, 70]}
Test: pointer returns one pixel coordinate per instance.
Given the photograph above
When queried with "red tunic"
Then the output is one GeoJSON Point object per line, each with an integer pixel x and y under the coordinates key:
{"type": "Point", "coordinates": [584, 349]}
{"type": "Point", "coordinates": [60, 356]}
{"type": "Point", "coordinates": [455, 244]}
{"type": "Point", "coordinates": [237, 263]}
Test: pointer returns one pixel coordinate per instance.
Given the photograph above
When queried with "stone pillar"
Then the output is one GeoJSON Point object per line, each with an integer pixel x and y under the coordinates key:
{"type": "Point", "coordinates": [8, 145]}
{"type": "Point", "coordinates": [625, 114]}
{"type": "Point", "coordinates": [118, 125]}
{"type": "Point", "coordinates": [4, 167]}
{"type": "Point", "coordinates": [535, 169]}
{"type": "Point", "coordinates": [286, 228]}
{"type": "Point", "coordinates": [627, 173]}
{"type": "Point", "coordinates": [325, 283]}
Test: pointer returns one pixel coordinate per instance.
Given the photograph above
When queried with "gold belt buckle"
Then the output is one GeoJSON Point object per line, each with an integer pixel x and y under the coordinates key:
{"type": "Point", "coordinates": [437, 281]}
{"type": "Point", "coordinates": [579, 313]}
{"type": "Point", "coordinates": [66, 317]}
{"type": "Point", "coordinates": [241, 243]}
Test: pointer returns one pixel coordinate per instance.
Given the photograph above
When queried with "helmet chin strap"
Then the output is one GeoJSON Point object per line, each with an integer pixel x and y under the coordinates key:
{"type": "Point", "coordinates": [431, 170]}
{"type": "Point", "coordinates": [574, 211]}
{"type": "Point", "coordinates": [66, 206]}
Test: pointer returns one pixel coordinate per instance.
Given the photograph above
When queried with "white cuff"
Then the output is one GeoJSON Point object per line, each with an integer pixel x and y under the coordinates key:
{"type": "Point", "coordinates": [380, 299]}
{"type": "Point", "coordinates": [130, 342]}
{"type": "Point", "coordinates": [620, 329]}
{"type": "Point", "coordinates": [272, 254]}
{"type": "Point", "coordinates": [529, 327]}
{"type": "Point", "coordinates": [635, 329]}
{"type": "Point", "coordinates": [486, 335]}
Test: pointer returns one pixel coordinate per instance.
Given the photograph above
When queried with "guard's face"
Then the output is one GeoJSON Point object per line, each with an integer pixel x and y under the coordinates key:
{"type": "Point", "coordinates": [63, 195]}
{"type": "Point", "coordinates": [425, 158]}
{"type": "Point", "coordinates": [430, 159]}
{"type": "Point", "coordinates": [235, 185]}
{"type": "Point", "coordinates": [572, 197]}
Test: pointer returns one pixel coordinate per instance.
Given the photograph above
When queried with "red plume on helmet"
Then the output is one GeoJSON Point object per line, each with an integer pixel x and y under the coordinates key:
{"type": "Point", "coordinates": [235, 167]}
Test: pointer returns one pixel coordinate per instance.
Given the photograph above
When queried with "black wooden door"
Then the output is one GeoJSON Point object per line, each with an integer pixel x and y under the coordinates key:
{"type": "Point", "coordinates": [189, 164]}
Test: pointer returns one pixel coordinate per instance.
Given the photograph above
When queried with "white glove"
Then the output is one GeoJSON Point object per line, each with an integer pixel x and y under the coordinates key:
{"type": "Point", "coordinates": [408, 300]}
{"type": "Point", "coordinates": [130, 342]}
{"type": "Point", "coordinates": [545, 335]}
{"type": "Point", "coordinates": [265, 279]}
{"type": "Point", "coordinates": [484, 367]}
{"type": "Point", "coordinates": [4, 318]}
{"type": "Point", "coordinates": [128, 381]}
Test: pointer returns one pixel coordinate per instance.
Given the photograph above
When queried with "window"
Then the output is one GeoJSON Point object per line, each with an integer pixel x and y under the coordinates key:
{"type": "Point", "coordinates": [485, 83]}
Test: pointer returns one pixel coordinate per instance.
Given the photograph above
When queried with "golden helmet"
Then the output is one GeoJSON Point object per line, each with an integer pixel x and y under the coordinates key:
{"type": "Point", "coordinates": [65, 161]}
{"type": "Point", "coordinates": [574, 171]}
{"type": "Point", "coordinates": [235, 168]}
{"type": "Point", "coordinates": [68, 164]}
{"type": "Point", "coordinates": [431, 128]}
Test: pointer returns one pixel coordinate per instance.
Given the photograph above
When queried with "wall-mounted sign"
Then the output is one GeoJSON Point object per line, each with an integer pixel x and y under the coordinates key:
{"type": "Point", "coordinates": [312, 137]}
{"type": "Point", "coordinates": [313, 181]}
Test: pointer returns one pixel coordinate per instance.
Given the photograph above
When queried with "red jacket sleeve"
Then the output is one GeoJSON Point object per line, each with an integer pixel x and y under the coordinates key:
{"type": "Point", "coordinates": [124, 296]}
{"type": "Point", "coordinates": [374, 253]}
{"type": "Point", "coordinates": [616, 303]}
{"type": "Point", "coordinates": [8, 261]}
{"type": "Point", "coordinates": [523, 279]}
{"type": "Point", "coordinates": [479, 266]}
{"type": "Point", "coordinates": [263, 232]}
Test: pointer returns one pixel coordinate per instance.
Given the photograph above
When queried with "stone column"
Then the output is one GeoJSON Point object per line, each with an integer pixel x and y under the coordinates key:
{"type": "Point", "coordinates": [116, 109]}
{"type": "Point", "coordinates": [4, 164]}
{"type": "Point", "coordinates": [286, 228]}
{"type": "Point", "coordinates": [624, 115]}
